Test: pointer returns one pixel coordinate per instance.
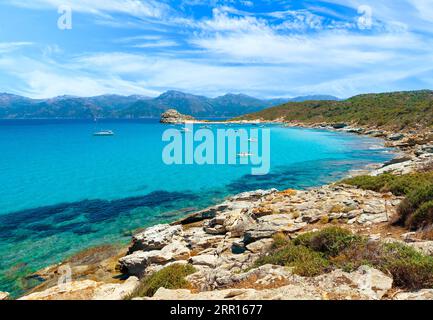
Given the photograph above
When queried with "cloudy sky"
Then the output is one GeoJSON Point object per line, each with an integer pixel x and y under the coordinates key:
{"type": "Point", "coordinates": [264, 48]}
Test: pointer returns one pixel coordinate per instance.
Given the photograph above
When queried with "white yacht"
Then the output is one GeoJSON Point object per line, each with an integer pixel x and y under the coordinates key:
{"type": "Point", "coordinates": [104, 133]}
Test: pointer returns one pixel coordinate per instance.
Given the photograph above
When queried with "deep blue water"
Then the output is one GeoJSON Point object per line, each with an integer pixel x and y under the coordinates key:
{"type": "Point", "coordinates": [63, 190]}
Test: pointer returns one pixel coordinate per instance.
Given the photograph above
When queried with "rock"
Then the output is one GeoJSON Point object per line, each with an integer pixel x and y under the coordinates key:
{"type": "Point", "coordinates": [255, 235]}
{"type": "Point", "coordinates": [365, 283]}
{"type": "Point", "coordinates": [237, 222]}
{"type": "Point", "coordinates": [4, 296]}
{"type": "Point", "coordinates": [425, 294]}
{"type": "Point", "coordinates": [136, 263]}
{"type": "Point", "coordinates": [409, 237]}
{"type": "Point", "coordinates": [87, 290]}
{"type": "Point", "coordinates": [154, 238]}
{"type": "Point", "coordinates": [425, 247]}
{"type": "Point", "coordinates": [174, 117]}
{"type": "Point", "coordinates": [208, 213]}
{"type": "Point", "coordinates": [198, 239]}
{"type": "Point", "coordinates": [215, 230]}
{"type": "Point", "coordinates": [339, 125]}
{"type": "Point", "coordinates": [253, 195]}
{"type": "Point", "coordinates": [396, 137]}
{"type": "Point", "coordinates": [116, 291]}
{"type": "Point", "coordinates": [75, 290]}
{"type": "Point", "coordinates": [205, 260]}
{"type": "Point", "coordinates": [260, 246]}
{"type": "Point", "coordinates": [371, 282]}
{"type": "Point", "coordinates": [238, 247]}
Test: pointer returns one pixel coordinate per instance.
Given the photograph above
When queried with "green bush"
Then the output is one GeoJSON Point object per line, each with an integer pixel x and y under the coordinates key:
{"type": "Point", "coordinates": [305, 262]}
{"type": "Point", "coordinates": [171, 277]}
{"type": "Point", "coordinates": [409, 268]}
{"type": "Point", "coordinates": [315, 253]}
{"type": "Point", "coordinates": [330, 241]}
{"type": "Point", "coordinates": [423, 216]}
{"type": "Point", "coordinates": [398, 185]}
{"type": "Point", "coordinates": [414, 209]}
{"type": "Point", "coordinates": [280, 240]}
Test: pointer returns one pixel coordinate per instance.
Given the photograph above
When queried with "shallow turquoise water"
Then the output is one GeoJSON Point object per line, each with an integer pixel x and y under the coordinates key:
{"type": "Point", "coordinates": [63, 190]}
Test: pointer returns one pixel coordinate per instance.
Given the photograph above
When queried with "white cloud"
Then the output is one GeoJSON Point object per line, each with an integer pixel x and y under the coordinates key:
{"type": "Point", "coordinates": [11, 46]}
{"type": "Point", "coordinates": [157, 44]}
{"type": "Point", "coordinates": [140, 8]}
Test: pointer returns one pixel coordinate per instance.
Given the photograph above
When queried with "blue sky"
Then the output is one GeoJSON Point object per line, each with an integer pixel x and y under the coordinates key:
{"type": "Point", "coordinates": [212, 47]}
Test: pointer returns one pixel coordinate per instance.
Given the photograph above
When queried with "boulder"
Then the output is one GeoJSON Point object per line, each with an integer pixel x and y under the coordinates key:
{"type": "Point", "coordinates": [154, 238]}
{"type": "Point", "coordinates": [205, 260]}
{"type": "Point", "coordinates": [425, 247]}
{"type": "Point", "coordinates": [116, 291]}
{"type": "Point", "coordinates": [371, 282]}
{"type": "Point", "coordinates": [174, 117]}
{"type": "Point", "coordinates": [339, 125]}
{"type": "Point", "coordinates": [425, 294]}
{"type": "Point", "coordinates": [136, 263]}
{"type": "Point", "coordinates": [260, 246]}
{"type": "Point", "coordinates": [255, 235]}
{"type": "Point", "coordinates": [4, 296]}
{"type": "Point", "coordinates": [75, 290]}
{"type": "Point", "coordinates": [396, 137]}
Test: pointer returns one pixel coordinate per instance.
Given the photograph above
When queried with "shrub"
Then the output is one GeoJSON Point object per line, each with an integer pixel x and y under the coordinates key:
{"type": "Point", "coordinates": [305, 262]}
{"type": "Point", "coordinates": [409, 268]}
{"type": "Point", "coordinates": [280, 240]}
{"type": "Point", "coordinates": [398, 185]}
{"type": "Point", "coordinates": [171, 277]}
{"type": "Point", "coordinates": [330, 241]}
{"type": "Point", "coordinates": [314, 253]}
{"type": "Point", "coordinates": [423, 216]}
{"type": "Point", "coordinates": [418, 199]}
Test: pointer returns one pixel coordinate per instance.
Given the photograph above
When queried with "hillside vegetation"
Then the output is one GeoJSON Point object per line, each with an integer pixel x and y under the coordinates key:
{"type": "Point", "coordinates": [398, 110]}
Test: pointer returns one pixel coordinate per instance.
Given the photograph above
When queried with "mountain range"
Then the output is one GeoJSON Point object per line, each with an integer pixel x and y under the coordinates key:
{"type": "Point", "coordinates": [136, 106]}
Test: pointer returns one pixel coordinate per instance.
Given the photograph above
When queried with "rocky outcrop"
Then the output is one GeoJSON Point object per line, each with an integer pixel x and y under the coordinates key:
{"type": "Point", "coordinates": [87, 290]}
{"type": "Point", "coordinates": [4, 296]}
{"type": "Point", "coordinates": [172, 116]}
{"type": "Point", "coordinates": [366, 283]}
{"type": "Point", "coordinates": [154, 238]}
{"type": "Point", "coordinates": [230, 237]}
{"type": "Point", "coordinates": [426, 294]}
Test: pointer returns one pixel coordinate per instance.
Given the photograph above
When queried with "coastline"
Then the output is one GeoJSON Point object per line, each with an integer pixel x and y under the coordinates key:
{"type": "Point", "coordinates": [205, 215]}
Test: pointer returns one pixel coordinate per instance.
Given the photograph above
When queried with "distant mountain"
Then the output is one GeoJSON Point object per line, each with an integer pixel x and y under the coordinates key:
{"type": "Point", "coordinates": [135, 106]}
{"type": "Point", "coordinates": [314, 98]}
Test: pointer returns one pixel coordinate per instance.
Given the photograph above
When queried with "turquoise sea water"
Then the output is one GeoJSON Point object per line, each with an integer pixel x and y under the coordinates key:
{"type": "Point", "coordinates": [63, 190]}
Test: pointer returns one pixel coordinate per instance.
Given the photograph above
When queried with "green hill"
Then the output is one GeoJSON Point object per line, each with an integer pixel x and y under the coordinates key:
{"type": "Point", "coordinates": [398, 110]}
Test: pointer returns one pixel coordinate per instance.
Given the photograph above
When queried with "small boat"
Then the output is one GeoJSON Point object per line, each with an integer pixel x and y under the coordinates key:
{"type": "Point", "coordinates": [205, 127]}
{"type": "Point", "coordinates": [185, 130]}
{"type": "Point", "coordinates": [245, 154]}
{"type": "Point", "coordinates": [104, 133]}
{"type": "Point", "coordinates": [252, 140]}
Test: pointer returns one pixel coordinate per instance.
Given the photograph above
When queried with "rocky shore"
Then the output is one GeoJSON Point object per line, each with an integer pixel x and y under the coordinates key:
{"type": "Point", "coordinates": [224, 242]}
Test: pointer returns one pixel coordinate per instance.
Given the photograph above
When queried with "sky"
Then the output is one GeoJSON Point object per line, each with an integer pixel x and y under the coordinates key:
{"type": "Point", "coordinates": [264, 48]}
